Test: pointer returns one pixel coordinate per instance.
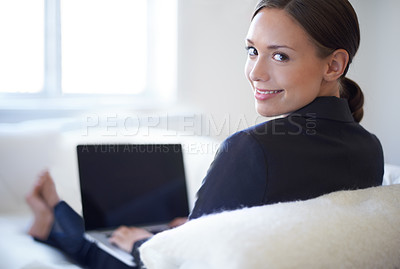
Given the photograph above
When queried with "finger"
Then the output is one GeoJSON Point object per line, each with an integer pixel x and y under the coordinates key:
{"type": "Point", "coordinates": [121, 228]}
{"type": "Point", "coordinates": [113, 239]}
{"type": "Point", "coordinates": [116, 238]}
{"type": "Point", "coordinates": [116, 234]}
{"type": "Point", "coordinates": [120, 231]}
{"type": "Point", "coordinates": [177, 222]}
{"type": "Point", "coordinates": [119, 242]}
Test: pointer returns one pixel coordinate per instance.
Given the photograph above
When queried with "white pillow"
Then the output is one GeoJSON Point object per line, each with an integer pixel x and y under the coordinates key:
{"type": "Point", "coordinates": [347, 229]}
{"type": "Point", "coordinates": [391, 175]}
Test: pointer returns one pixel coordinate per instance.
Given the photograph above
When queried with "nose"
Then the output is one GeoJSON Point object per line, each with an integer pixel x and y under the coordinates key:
{"type": "Point", "coordinates": [258, 70]}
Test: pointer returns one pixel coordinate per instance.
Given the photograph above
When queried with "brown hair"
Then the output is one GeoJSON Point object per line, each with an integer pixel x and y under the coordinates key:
{"type": "Point", "coordinates": [332, 25]}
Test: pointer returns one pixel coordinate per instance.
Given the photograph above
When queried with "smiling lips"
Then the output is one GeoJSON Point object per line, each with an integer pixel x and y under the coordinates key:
{"type": "Point", "coordinates": [266, 94]}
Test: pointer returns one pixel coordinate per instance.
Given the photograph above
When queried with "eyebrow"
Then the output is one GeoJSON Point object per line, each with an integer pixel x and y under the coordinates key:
{"type": "Point", "coordinates": [272, 47]}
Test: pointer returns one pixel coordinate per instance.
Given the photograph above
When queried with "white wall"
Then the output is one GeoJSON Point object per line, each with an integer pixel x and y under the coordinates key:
{"type": "Point", "coordinates": [212, 56]}
{"type": "Point", "coordinates": [211, 62]}
{"type": "Point", "coordinates": [376, 69]}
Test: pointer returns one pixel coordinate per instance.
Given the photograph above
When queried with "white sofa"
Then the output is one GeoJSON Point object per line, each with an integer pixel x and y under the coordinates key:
{"type": "Point", "coordinates": [347, 229]}
{"type": "Point", "coordinates": [28, 148]}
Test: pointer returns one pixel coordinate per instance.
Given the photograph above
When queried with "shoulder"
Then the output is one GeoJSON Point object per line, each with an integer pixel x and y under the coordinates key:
{"type": "Point", "coordinates": [244, 136]}
{"type": "Point", "coordinates": [242, 141]}
{"type": "Point", "coordinates": [256, 141]}
{"type": "Point", "coordinates": [369, 142]}
{"type": "Point", "coordinates": [275, 130]}
{"type": "Point", "coordinates": [240, 149]}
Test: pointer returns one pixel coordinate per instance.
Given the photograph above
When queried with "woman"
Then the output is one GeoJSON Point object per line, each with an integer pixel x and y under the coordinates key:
{"type": "Point", "coordinates": [299, 52]}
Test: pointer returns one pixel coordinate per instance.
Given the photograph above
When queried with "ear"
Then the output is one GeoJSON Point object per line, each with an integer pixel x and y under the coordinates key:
{"type": "Point", "coordinates": [337, 63]}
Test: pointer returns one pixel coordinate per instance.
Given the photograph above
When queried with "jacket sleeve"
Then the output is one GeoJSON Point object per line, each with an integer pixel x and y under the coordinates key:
{"type": "Point", "coordinates": [236, 178]}
{"type": "Point", "coordinates": [136, 254]}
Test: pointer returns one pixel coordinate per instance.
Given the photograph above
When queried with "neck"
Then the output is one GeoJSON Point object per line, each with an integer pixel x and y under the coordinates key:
{"type": "Point", "coordinates": [331, 88]}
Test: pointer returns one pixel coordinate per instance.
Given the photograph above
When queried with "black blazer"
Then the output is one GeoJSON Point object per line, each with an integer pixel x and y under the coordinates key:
{"type": "Point", "coordinates": [315, 150]}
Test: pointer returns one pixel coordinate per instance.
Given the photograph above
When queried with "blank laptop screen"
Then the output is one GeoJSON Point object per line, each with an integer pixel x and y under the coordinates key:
{"type": "Point", "coordinates": [130, 184]}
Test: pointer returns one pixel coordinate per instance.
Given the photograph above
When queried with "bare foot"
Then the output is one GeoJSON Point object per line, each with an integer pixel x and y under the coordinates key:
{"type": "Point", "coordinates": [43, 215]}
{"type": "Point", "coordinates": [47, 190]}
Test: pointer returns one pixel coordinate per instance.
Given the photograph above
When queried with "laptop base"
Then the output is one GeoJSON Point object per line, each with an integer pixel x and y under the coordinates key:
{"type": "Point", "coordinates": [101, 240]}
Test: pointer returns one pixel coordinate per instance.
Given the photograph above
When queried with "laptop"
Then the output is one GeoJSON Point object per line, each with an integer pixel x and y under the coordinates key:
{"type": "Point", "coordinates": [140, 185]}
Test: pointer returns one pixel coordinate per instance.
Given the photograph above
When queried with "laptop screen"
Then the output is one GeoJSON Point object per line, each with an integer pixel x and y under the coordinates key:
{"type": "Point", "coordinates": [131, 184]}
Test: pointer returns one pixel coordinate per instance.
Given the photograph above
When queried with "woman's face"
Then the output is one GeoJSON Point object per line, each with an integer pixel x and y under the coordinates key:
{"type": "Point", "coordinates": [282, 65]}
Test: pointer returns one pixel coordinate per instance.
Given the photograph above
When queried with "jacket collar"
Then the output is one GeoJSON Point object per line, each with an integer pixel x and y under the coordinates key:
{"type": "Point", "coordinates": [330, 108]}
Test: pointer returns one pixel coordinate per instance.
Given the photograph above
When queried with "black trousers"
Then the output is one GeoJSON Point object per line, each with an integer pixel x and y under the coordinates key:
{"type": "Point", "coordinates": [67, 234]}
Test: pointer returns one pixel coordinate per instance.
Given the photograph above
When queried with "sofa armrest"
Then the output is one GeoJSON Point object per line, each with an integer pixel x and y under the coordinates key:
{"type": "Point", "coordinates": [346, 229]}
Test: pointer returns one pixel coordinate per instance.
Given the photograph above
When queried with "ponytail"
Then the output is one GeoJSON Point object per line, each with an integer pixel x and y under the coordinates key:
{"type": "Point", "coordinates": [352, 92]}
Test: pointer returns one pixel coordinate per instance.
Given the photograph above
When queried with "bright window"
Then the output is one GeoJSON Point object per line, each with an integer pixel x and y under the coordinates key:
{"type": "Point", "coordinates": [21, 46]}
{"type": "Point", "coordinates": [108, 50]}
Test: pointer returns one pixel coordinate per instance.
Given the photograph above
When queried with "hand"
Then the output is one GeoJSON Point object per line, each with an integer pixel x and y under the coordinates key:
{"type": "Point", "coordinates": [124, 237]}
{"type": "Point", "coordinates": [177, 222]}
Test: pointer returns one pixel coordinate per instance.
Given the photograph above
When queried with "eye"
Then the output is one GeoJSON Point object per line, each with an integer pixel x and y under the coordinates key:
{"type": "Point", "coordinates": [251, 51]}
{"type": "Point", "coordinates": [280, 57]}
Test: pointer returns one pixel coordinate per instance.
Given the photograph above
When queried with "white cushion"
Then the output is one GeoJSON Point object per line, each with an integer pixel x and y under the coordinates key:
{"type": "Point", "coordinates": [19, 250]}
{"type": "Point", "coordinates": [24, 152]}
{"type": "Point", "coordinates": [347, 229]}
{"type": "Point", "coordinates": [391, 175]}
